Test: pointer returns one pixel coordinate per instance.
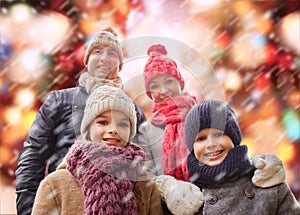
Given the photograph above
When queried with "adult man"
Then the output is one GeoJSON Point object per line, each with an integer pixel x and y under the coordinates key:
{"type": "Point", "coordinates": [57, 123]}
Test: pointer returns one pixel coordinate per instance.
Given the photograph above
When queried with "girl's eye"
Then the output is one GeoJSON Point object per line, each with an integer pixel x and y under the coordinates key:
{"type": "Point", "coordinates": [201, 138]}
{"type": "Point", "coordinates": [102, 122]}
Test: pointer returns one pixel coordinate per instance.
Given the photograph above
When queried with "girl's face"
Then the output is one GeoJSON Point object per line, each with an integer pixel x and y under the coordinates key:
{"type": "Point", "coordinates": [111, 128]}
{"type": "Point", "coordinates": [212, 146]}
{"type": "Point", "coordinates": [104, 62]}
{"type": "Point", "coordinates": [164, 87]}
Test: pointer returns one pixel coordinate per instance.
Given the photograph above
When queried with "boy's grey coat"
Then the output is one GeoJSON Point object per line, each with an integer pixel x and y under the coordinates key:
{"type": "Point", "coordinates": [242, 197]}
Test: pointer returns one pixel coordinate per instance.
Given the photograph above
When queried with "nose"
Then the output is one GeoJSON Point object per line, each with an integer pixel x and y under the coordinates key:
{"type": "Point", "coordinates": [104, 56]}
{"type": "Point", "coordinates": [163, 89]}
{"type": "Point", "coordinates": [211, 143]}
{"type": "Point", "coordinates": [112, 129]}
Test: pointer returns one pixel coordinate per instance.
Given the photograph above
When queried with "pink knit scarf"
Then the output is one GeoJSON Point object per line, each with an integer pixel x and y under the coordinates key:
{"type": "Point", "coordinates": [172, 113]}
{"type": "Point", "coordinates": [106, 175]}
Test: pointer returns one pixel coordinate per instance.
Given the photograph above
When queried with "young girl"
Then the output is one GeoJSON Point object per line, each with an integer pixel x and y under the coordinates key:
{"type": "Point", "coordinates": [102, 173]}
{"type": "Point", "coordinates": [219, 165]}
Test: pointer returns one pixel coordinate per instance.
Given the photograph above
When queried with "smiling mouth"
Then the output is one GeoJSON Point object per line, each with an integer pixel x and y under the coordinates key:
{"type": "Point", "coordinates": [103, 67]}
{"type": "Point", "coordinates": [111, 141]}
{"type": "Point", "coordinates": [214, 154]}
{"type": "Point", "coordinates": [163, 98]}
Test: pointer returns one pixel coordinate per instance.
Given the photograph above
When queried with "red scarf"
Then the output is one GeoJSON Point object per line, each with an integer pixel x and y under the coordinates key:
{"type": "Point", "coordinates": [172, 113]}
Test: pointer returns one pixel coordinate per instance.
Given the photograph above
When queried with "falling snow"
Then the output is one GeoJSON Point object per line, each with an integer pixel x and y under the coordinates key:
{"type": "Point", "coordinates": [251, 52]}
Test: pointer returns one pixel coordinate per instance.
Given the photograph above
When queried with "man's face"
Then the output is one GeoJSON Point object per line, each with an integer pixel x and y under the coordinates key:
{"type": "Point", "coordinates": [104, 62]}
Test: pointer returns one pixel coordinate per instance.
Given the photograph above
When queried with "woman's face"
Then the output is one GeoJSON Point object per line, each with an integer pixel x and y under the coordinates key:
{"type": "Point", "coordinates": [212, 146]}
{"type": "Point", "coordinates": [104, 62]}
{"type": "Point", "coordinates": [111, 128]}
{"type": "Point", "coordinates": [164, 87]}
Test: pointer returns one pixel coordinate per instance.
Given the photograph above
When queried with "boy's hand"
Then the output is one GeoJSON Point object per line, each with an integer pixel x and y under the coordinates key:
{"type": "Point", "coordinates": [182, 198]}
{"type": "Point", "coordinates": [270, 170]}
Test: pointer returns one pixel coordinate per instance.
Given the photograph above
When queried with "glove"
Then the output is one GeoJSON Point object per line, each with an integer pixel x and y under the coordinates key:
{"type": "Point", "coordinates": [269, 170]}
{"type": "Point", "coordinates": [182, 198]}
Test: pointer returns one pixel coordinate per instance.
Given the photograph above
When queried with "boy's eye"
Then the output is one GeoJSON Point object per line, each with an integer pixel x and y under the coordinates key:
{"type": "Point", "coordinates": [200, 138]}
{"type": "Point", "coordinates": [218, 134]}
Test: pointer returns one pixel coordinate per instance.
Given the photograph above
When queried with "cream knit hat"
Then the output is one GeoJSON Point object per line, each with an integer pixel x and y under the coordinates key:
{"type": "Point", "coordinates": [106, 98]}
{"type": "Point", "coordinates": [109, 37]}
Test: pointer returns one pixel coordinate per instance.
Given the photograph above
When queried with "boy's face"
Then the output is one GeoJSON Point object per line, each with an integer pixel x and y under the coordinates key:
{"type": "Point", "coordinates": [212, 146]}
{"type": "Point", "coordinates": [164, 87]}
{"type": "Point", "coordinates": [111, 128]}
{"type": "Point", "coordinates": [104, 62]}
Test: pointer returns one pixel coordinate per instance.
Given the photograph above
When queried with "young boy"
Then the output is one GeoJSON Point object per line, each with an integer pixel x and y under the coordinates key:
{"type": "Point", "coordinates": [220, 166]}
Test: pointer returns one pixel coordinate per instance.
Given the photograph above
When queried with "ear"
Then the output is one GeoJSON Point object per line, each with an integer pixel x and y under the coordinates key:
{"type": "Point", "coordinates": [120, 67]}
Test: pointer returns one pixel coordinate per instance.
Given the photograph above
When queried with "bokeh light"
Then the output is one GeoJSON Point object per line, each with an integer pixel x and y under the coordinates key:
{"type": "Point", "coordinates": [248, 49]}
{"type": "Point", "coordinates": [253, 48]}
{"type": "Point", "coordinates": [292, 124]}
{"type": "Point", "coordinates": [21, 13]}
{"type": "Point", "coordinates": [27, 66]}
{"type": "Point", "coordinates": [25, 98]}
{"type": "Point", "coordinates": [232, 81]}
{"type": "Point", "coordinates": [55, 32]}
{"type": "Point", "coordinates": [12, 115]}
{"type": "Point", "coordinates": [289, 31]}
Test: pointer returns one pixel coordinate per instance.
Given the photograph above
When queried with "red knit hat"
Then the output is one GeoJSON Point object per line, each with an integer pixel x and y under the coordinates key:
{"type": "Point", "coordinates": [160, 64]}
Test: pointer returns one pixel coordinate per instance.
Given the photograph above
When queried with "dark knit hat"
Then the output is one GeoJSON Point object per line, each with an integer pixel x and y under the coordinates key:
{"type": "Point", "coordinates": [108, 37]}
{"type": "Point", "coordinates": [160, 64]}
{"type": "Point", "coordinates": [211, 114]}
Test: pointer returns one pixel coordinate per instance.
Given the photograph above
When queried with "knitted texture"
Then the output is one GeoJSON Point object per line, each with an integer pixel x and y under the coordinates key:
{"type": "Point", "coordinates": [269, 170]}
{"type": "Point", "coordinates": [105, 174]}
{"type": "Point", "coordinates": [235, 165]}
{"type": "Point", "coordinates": [160, 64]}
{"type": "Point", "coordinates": [212, 114]}
{"type": "Point", "coordinates": [182, 198]}
{"type": "Point", "coordinates": [106, 37]}
{"type": "Point", "coordinates": [172, 113]}
{"type": "Point", "coordinates": [106, 98]}
{"type": "Point", "coordinates": [89, 83]}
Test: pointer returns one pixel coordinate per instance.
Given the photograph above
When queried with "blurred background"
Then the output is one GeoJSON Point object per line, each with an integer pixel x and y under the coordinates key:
{"type": "Point", "coordinates": [251, 52]}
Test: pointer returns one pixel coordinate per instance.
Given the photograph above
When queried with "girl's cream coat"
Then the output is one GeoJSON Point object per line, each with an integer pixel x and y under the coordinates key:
{"type": "Point", "coordinates": [59, 193]}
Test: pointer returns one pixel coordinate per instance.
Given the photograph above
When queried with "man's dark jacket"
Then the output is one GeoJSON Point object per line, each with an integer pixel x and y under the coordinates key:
{"type": "Point", "coordinates": [54, 130]}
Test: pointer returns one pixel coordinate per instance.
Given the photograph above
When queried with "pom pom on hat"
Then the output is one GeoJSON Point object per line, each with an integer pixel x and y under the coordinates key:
{"type": "Point", "coordinates": [157, 49]}
{"type": "Point", "coordinates": [107, 37]}
{"type": "Point", "coordinates": [105, 98]}
{"type": "Point", "coordinates": [160, 64]}
{"type": "Point", "coordinates": [211, 114]}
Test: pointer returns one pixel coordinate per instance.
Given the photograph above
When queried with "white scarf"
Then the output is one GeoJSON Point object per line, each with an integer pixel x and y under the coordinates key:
{"type": "Point", "coordinates": [92, 82]}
